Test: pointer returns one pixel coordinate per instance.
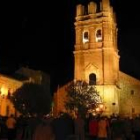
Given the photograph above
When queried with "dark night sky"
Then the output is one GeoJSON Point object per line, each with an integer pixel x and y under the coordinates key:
{"type": "Point", "coordinates": [42, 39]}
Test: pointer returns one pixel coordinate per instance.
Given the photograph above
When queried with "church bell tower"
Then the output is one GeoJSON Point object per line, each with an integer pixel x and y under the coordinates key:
{"type": "Point", "coordinates": [97, 61]}
{"type": "Point", "coordinates": [96, 53]}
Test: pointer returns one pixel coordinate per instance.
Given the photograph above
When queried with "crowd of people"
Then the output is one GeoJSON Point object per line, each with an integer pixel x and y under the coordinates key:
{"type": "Point", "coordinates": [64, 127]}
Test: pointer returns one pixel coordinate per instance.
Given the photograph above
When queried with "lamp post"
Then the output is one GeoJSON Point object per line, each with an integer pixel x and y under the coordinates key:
{"type": "Point", "coordinates": [3, 96]}
{"type": "Point", "coordinates": [3, 92]}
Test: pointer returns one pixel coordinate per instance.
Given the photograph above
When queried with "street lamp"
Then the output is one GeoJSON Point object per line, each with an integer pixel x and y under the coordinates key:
{"type": "Point", "coordinates": [3, 91]}
{"type": "Point", "coordinates": [101, 106]}
{"type": "Point", "coordinates": [3, 95]}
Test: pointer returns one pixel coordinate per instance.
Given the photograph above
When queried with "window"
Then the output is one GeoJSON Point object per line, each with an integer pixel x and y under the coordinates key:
{"type": "Point", "coordinates": [92, 79]}
{"type": "Point", "coordinates": [132, 92]}
{"type": "Point", "coordinates": [85, 37]}
{"type": "Point", "coordinates": [98, 35]}
{"type": "Point", "coordinates": [133, 110]}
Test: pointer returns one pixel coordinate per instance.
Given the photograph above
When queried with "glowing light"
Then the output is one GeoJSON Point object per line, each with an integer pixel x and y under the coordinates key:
{"type": "Point", "coordinates": [101, 106]}
{"type": "Point", "coordinates": [4, 91]}
{"type": "Point", "coordinates": [97, 109]}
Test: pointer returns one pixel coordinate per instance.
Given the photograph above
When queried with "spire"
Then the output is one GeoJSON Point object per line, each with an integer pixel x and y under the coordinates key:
{"type": "Point", "coordinates": [92, 7]}
{"type": "Point", "coordinates": [105, 5]}
{"type": "Point", "coordinates": [79, 10]}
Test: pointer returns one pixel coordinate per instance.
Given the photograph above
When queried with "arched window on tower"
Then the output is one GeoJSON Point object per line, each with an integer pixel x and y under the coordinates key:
{"type": "Point", "coordinates": [85, 37]}
{"type": "Point", "coordinates": [99, 35]}
{"type": "Point", "coordinates": [92, 79]}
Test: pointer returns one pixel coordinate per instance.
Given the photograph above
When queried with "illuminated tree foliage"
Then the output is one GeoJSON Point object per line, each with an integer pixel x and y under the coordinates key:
{"type": "Point", "coordinates": [31, 99]}
{"type": "Point", "coordinates": [82, 97]}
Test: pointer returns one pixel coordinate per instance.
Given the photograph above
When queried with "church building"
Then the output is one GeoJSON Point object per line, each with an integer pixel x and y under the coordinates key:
{"type": "Point", "coordinates": [96, 59]}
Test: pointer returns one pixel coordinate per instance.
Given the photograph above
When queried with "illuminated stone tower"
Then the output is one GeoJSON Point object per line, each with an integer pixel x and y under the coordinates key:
{"type": "Point", "coordinates": [97, 61]}
{"type": "Point", "coordinates": [96, 51]}
{"type": "Point", "coordinates": [96, 44]}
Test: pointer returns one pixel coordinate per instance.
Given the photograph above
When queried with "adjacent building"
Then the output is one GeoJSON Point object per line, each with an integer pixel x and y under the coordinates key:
{"type": "Point", "coordinates": [9, 84]}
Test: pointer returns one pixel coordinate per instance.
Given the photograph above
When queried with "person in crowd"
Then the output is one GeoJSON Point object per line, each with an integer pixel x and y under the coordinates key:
{"type": "Point", "coordinates": [79, 127]}
{"type": "Point", "coordinates": [93, 127]}
{"type": "Point", "coordinates": [136, 127]}
{"type": "Point", "coordinates": [44, 131]}
{"type": "Point", "coordinates": [21, 123]}
{"type": "Point", "coordinates": [128, 128]}
{"type": "Point", "coordinates": [117, 128]}
{"type": "Point", "coordinates": [63, 126]}
{"type": "Point", "coordinates": [11, 125]}
{"type": "Point", "coordinates": [102, 128]}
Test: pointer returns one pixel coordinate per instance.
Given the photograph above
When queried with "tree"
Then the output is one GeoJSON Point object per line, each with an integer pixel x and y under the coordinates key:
{"type": "Point", "coordinates": [31, 99]}
{"type": "Point", "coordinates": [82, 97]}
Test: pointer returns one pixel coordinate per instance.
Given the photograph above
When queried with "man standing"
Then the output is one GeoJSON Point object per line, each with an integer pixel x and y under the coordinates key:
{"type": "Point", "coordinates": [10, 123]}
{"type": "Point", "coordinates": [79, 128]}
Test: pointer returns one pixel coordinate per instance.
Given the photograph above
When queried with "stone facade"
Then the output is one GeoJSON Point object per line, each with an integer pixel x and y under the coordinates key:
{"type": "Point", "coordinates": [96, 58]}
{"type": "Point", "coordinates": [129, 95]}
{"type": "Point", "coordinates": [9, 84]}
{"type": "Point", "coordinates": [59, 100]}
